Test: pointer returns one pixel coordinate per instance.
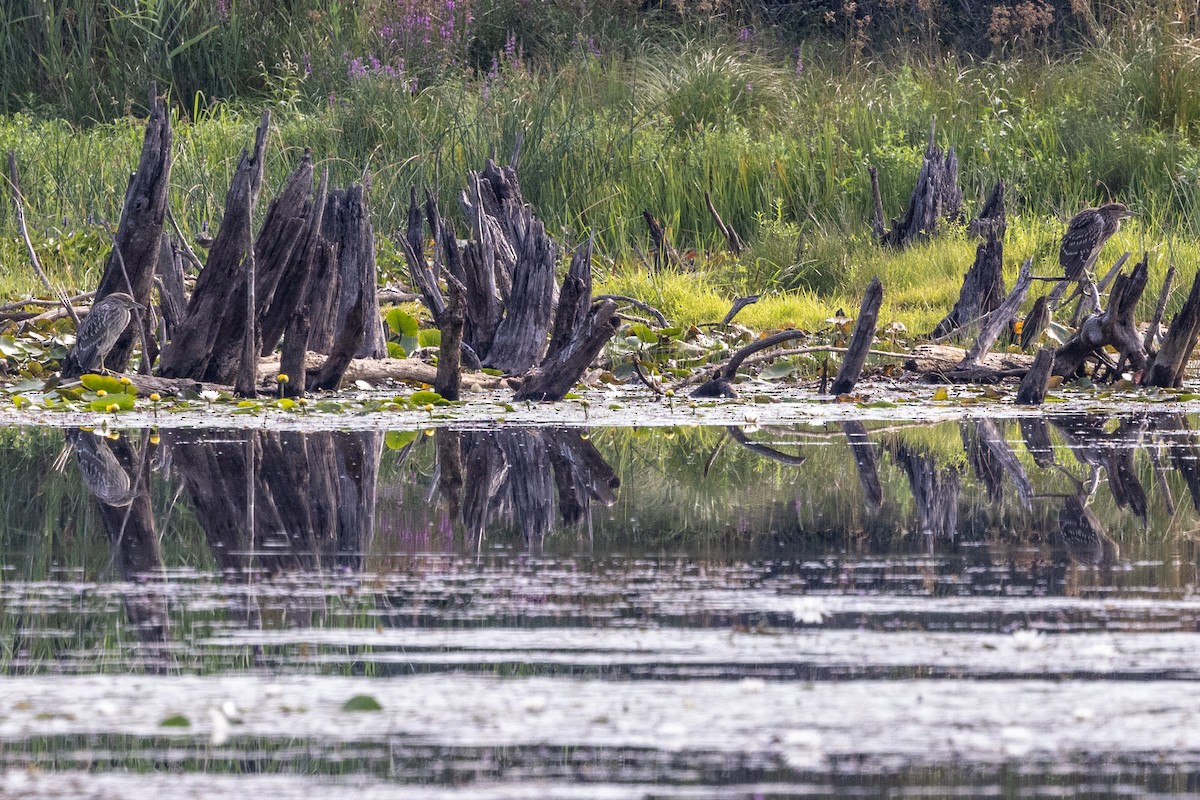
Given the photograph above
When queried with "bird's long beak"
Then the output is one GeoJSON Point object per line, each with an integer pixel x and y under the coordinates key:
{"type": "Point", "coordinates": [1126, 214]}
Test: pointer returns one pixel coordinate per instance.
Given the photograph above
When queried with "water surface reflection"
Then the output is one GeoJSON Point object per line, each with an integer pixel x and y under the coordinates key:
{"type": "Point", "coordinates": [705, 602]}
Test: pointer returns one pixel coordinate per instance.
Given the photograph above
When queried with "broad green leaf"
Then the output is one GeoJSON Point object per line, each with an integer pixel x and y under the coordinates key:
{"type": "Point", "coordinates": [430, 337]}
{"type": "Point", "coordinates": [780, 369]}
{"type": "Point", "coordinates": [643, 332]}
{"type": "Point", "coordinates": [424, 396]}
{"type": "Point", "coordinates": [362, 702]}
{"type": "Point", "coordinates": [123, 402]}
{"type": "Point", "coordinates": [106, 382]}
{"type": "Point", "coordinates": [401, 322]}
{"type": "Point", "coordinates": [396, 351]}
{"type": "Point", "coordinates": [176, 721]}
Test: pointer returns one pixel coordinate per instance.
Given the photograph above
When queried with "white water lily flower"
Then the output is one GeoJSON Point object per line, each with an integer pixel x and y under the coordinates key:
{"type": "Point", "coordinates": [220, 726]}
{"type": "Point", "coordinates": [1028, 640]}
{"type": "Point", "coordinates": [809, 610]}
{"type": "Point", "coordinates": [209, 395]}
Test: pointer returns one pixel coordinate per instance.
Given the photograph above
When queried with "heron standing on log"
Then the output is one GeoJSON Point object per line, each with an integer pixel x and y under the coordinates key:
{"type": "Point", "coordinates": [1086, 234]}
{"type": "Point", "coordinates": [101, 329]}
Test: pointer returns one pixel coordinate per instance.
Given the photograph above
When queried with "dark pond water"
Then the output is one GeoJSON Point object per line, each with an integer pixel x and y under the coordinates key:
{"type": "Point", "coordinates": [970, 608]}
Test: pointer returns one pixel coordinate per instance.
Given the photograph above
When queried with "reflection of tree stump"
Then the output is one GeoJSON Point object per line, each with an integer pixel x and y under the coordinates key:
{"type": "Point", "coordinates": [935, 491]}
{"type": "Point", "coordinates": [866, 461]}
{"type": "Point", "coordinates": [1183, 447]}
{"type": "Point", "coordinates": [514, 476]}
{"type": "Point", "coordinates": [1036, 434]}
{"type": "Point", "coordinates": [1092, 445]}
{"type": "Point", "coordinates": [118, 478]}
{"type": "Point", "coordinates": [314, 495]}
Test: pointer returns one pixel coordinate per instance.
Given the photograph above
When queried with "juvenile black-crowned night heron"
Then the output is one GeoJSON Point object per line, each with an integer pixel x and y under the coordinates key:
{"type": "Point", "coordinates": [1086, 234]}
{"type": "Point", "coordinates": [100, 330]}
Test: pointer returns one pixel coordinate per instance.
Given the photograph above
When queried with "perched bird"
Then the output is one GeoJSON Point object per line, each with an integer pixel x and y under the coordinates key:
{"type": "Point", "coordinates": [1086, 234]}
{"type": "Point", "coordinates": [100, 330]}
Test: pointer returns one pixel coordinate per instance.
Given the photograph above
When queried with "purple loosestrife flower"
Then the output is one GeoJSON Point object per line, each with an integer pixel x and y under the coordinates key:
{"type": "Point", "coordinates": [744, 35]}
{"type": "Point", "coordinates": [307, 65]}
{"type": "Point", "coordinates": [223, 10]}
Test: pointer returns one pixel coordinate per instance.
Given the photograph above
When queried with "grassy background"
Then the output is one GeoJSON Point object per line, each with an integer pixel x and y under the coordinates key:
{"type": "Point", "coordinates": [621, 110]}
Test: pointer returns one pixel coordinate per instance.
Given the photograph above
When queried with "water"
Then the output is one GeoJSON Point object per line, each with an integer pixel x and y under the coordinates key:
{"type": "Point", "coordinates": [890, 608]}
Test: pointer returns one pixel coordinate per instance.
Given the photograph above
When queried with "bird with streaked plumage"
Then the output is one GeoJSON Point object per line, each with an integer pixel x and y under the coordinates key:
{"type": "Point", "coordinates": [101, 329]}
{"type": "Point", "coordinates": [1086, 234]}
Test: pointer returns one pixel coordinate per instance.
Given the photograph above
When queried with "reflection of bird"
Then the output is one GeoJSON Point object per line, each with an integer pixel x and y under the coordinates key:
{"type": "Point", "coordinates": [106, 479]}
{"type": "Point", "coordinates": [1083, 538]}
{"type": "Point", "coordinates": [100, 330]}
{"type": "Point", "coordinates": [1086, 234]}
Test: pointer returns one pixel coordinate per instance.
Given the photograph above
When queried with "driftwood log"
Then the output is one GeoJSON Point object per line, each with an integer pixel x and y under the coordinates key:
{"type": "Point", "coordinates": [861, 340]}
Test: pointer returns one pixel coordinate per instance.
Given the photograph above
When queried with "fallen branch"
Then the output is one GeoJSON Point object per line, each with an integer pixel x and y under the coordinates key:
{"type": "Point", "coordinates": [860, 341]}
{"type": "Point", "coordinates": [19, 211]}
{"type": "Point", "coordinates": [649, 309]}
{"type": "Point", "coordinates": [731, 238]}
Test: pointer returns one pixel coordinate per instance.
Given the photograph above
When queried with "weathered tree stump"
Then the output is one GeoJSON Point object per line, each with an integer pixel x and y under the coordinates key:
{"type": "Point", "coordinates": [992, 219]}
{"type": "Point", "coordinates": [515, 318]}
{"type": "Point", "coordinates": [982, 289]}
{"type": "Point", "coordinates": [449, 366]}
{"type": "Point", "coordinates": [346, 226]}
{"type": "Point", "coordinates": [190, 353]}
{"type": "Point", "coordinates": [935, 197]}
{"type": "Point", "coordinates": [664, 254]}
{"type": "Point", "coordinates": [1037, 381]}
{"type": "Point", "coordinates": [137, 245]}
{"type": "Point", "coordinates": [1115, 327]}
{"type": "Point", "coordinates": [1171, 360]}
